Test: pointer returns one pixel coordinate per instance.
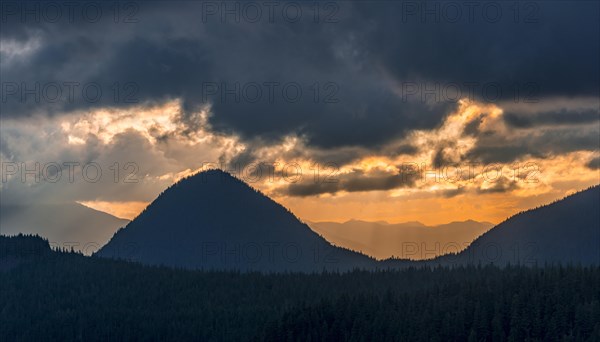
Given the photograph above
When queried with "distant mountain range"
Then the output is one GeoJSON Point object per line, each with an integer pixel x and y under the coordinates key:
{"type": "Point", "coordinates": [408, 240]}
{"type": "Point", "coordinates": [64, 225]}
{"type": "Point", "coordinates": [213, 220]}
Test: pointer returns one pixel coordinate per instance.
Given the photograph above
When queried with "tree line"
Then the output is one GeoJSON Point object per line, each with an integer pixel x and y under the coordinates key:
{"type": "Point", "coordinates": [62, 295]}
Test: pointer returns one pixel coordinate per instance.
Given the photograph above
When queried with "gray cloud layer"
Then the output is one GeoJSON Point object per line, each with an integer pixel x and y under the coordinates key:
{"type": "Point", "coordinates": [368, 55]}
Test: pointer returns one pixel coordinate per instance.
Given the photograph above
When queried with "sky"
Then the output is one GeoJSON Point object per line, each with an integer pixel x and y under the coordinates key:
{"type": "Point", "coordinates": [397, 111]}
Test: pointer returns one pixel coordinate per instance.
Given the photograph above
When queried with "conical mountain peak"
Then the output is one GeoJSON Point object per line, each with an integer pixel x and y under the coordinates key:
{"type": "Point", "coordinates": [213, 220]}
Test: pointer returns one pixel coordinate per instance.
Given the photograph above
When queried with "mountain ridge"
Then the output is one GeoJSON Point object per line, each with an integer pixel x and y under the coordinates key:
{"type": "Point", "coordinates": [213, 220]}
{"type": "Point", "coordinates": [541, 235]}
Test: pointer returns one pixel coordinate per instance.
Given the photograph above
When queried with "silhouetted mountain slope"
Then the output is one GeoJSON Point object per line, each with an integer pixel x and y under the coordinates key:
{"type": "Point", "coordinates": [410, 240]}
{"type": "Point", "coordinates": [566, 231]}
{"type": "Point", "coordinates": [68, 224]}
{"type": "Point", "coordinates": [214, 221]}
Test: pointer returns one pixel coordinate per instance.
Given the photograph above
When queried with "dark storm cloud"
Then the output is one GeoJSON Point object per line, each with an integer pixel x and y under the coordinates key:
{"type": "Point", "coordinates": [472, 128]}
{"type": "Point", "coordinates": [440, 158]}
{"type": "Point", "coordinates": [452, 192]}
{"type": "Point", "coordinates": [310, 189]}
{"type": "Point", "coordinates": [559, 117]}
{"type": "Point", "coordinates": [496, 148]}
{"type": "Point", "coordinates": [594, 164]}
{"type": "Point", "coordinates": [501, 185]}
{"type": "Point", "coordinates": [355, 181]}
{"type": "Point", "coordinates": [555, 54]}
{"type": "Point", "coordinates": [502, 152]}
{"type": "Point", "coordinates": [358, 64]}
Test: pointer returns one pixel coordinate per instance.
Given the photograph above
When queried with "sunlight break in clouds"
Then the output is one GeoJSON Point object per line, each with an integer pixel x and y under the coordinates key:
{"type": "Point", "coordinates": [167, 149]}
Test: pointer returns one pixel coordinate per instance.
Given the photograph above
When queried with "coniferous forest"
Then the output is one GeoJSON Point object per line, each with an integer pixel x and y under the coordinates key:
{"type": "Point", "coordinates": [62, 295]}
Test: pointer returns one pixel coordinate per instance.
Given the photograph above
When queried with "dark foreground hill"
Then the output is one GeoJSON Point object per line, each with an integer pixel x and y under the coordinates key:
{"type": "Point", "coordinates": [213, 220]}
{"type": "Point", "coordinates": [59, 296]}
{"type": "Point", "coordinates": [566, 232]}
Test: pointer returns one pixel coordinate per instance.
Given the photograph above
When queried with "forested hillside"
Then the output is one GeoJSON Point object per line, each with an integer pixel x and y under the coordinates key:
{"type": "Point", "coordinates": [67, 296]}
{"type": "Point", "coordinates": [566, 231]}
